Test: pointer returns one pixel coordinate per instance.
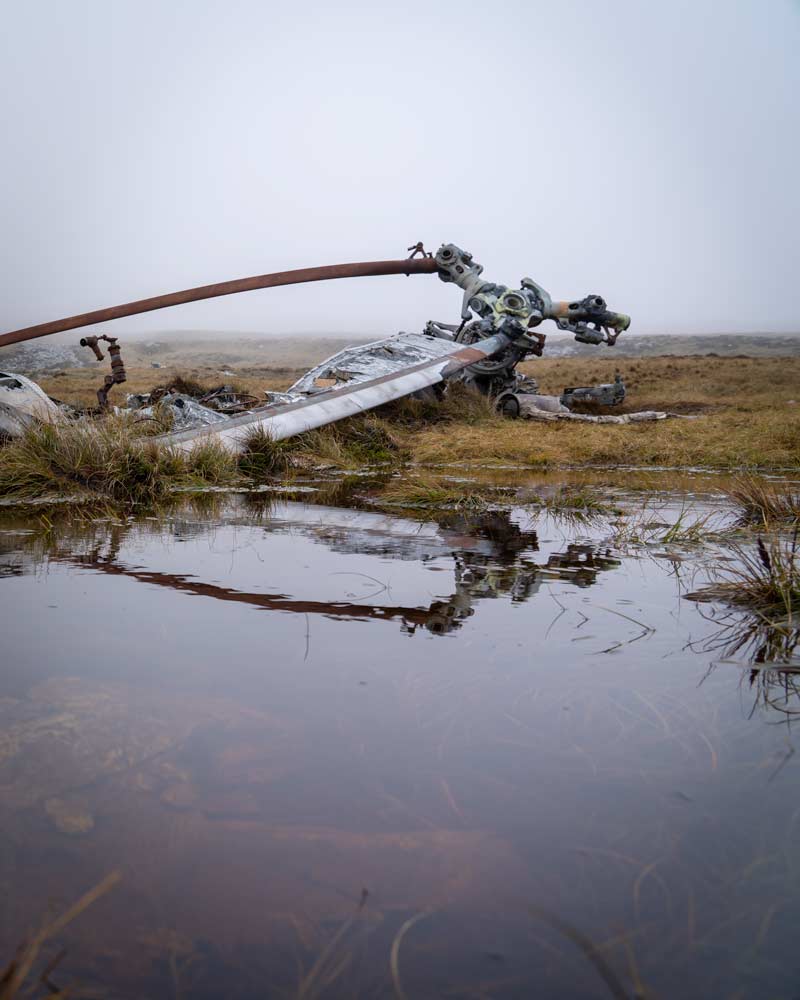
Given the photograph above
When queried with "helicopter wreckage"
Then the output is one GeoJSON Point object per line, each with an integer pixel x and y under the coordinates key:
{"type": "Point", "coordinates": [497, 330]}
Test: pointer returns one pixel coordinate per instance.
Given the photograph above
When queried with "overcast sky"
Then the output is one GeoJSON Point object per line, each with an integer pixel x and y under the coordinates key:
{"type": "Point", "coordinates": [645, 151]}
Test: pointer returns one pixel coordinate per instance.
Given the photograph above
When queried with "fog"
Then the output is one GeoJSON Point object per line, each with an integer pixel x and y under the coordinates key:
{"type": "Point", "coordinates": [647, 152]}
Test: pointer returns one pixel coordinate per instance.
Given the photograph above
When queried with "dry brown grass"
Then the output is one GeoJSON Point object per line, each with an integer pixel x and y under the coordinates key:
{"type": "Point", "coordinates": [763, 504]}
{"type": "Point", "coordinates": [747, 419]}
{"type": "Point", "coordinates": [78, 386]}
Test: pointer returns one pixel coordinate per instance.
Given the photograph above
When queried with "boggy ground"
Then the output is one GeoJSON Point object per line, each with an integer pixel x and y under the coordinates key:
{"type": "Point", "coordinates": [747, 413]}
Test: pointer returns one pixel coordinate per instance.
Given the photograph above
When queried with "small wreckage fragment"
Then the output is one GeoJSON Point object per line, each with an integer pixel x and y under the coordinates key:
{"type": "Point", "coordinates": [607, 394]}
{"type": "Point", "coordinates": [117, 376]}
{"type": "Point", "coordinates": [496, 332]}
{"type": "Point", "coordinates": [23, 402]}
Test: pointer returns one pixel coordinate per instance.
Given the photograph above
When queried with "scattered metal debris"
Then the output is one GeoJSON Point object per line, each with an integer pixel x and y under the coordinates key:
{"type": "Point", "coordinates": [185, 412]}
{"type": "Point", "coordinates": [644, 416]}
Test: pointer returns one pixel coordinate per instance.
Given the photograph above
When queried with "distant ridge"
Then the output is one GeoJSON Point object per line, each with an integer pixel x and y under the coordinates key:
{"type": "Point", "coordinates": [650, 345]}
{"type": "Point", "coordinates": [282, 351]}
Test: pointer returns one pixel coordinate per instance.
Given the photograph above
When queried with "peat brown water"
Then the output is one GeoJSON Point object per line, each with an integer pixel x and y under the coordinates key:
{"type": "Point", "coordinates": [344, 752]}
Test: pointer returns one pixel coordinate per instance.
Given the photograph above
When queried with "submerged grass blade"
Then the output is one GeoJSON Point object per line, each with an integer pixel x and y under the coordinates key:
{"type": "Point", "coordinates": [394, 955]}
{"type": "Point", "coordinates": [16, 973]}
{"type": "Point", "coordinates": [589, 949]}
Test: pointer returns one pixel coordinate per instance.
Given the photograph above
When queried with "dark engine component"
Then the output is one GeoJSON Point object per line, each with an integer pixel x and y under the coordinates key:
{"type": "Point", "coordinates": [607, 394]}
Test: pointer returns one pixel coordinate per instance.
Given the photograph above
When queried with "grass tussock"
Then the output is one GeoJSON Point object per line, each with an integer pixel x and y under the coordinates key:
{"type": "Point", "coordinates": [646, 526]}
{"type": "Point", "coordinates": [354, 442]}
{"type": "Point", "coordinates": [765, 579]}
{"type": "Point", "coordinates": [459, 403]}
{"type": "Point", "coordinates": [264, 457]}
{"type": "Point", "coordinates": [106, 460]}
{"type": "Point", "coordinates": [763, 504]}
{"type": "Point", "coordinates": [574, 500]}
{"type": "Point", "coordinates": [211, 463]}
{"type": "Point", "coordinates": [427, 491]}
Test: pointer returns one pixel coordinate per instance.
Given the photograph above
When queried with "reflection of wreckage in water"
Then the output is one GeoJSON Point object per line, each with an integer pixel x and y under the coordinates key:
{"type": "Point", "coordinates": [496, 332]}
{"type": "Point", "coordinates": [492, 558]}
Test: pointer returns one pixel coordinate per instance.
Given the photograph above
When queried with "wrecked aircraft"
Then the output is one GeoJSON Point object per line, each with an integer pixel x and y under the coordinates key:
{"type": "Point", "coordinates": [497, 331]}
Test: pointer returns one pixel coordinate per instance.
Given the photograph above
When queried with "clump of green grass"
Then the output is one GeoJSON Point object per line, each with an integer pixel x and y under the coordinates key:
{"type": "Point", "coordinates": [106, 459]}
{"type": "Point", "coordinates": [457, 403]}
{"type": "Point", "coordinates": [162, 420]}
{"type": "Point", "coordinates": [646, 527]}
{"type": "Point", "coordinates": [429, 492]}
{"type": "Point", "coordinates": [765, 579]}
{"type": "Point", "coordinates": [210, 462]}
{"type": "Point", "coordinates": [356, 441]}
{"type": "Point", "coordinates": [263, 456]}
{"type": "Point", "coordinates": [763, 504]}
{"type": "Point", "coordinates": [570, 499]}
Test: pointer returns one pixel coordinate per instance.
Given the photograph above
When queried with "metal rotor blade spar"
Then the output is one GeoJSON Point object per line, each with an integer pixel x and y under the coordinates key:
{"type": "Point", "coordinates": [422, 265]}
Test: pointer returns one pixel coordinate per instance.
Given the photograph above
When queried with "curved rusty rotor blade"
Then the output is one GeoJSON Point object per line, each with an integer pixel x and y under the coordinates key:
{"type": "Point", "coordinates": [425, 265]}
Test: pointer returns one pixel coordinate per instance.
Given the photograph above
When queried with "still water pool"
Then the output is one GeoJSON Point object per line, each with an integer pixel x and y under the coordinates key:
{"type": "Point", "coordinates": [336, 752]}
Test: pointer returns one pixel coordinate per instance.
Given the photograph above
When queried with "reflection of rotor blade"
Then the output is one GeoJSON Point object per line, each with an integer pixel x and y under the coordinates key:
{"type": "Point", "coordinates": [268, 602]}
{"type": "Point", "coordinates": [361, 270]}
{"type": "Point", "coordinates": [325, 407]}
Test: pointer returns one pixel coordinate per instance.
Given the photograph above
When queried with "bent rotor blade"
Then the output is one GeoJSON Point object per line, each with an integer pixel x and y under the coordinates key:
{"type": "Point", "coordinates": [287, 419]}
{"type": "Point", "coordinates": [426, 265]}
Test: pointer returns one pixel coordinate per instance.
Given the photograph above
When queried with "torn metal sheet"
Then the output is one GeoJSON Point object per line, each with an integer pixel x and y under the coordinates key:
{"type": "Point", "coordinates": [185, 411]}
{"type": "Point", "coordinates": [22, 402]}
{"type": "Point", "coordinates": [358, 364]}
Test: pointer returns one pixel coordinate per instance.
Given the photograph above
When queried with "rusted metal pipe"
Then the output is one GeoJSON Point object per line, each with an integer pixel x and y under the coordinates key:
{"type": "Point", "coordinates": [360, 270]}
{"type": "Point", "coordinates": [118, 375]}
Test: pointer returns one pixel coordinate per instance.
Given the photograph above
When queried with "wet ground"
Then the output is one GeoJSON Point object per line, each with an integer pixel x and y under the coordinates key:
{"type": "Point", "coordinates": [343, 751]}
